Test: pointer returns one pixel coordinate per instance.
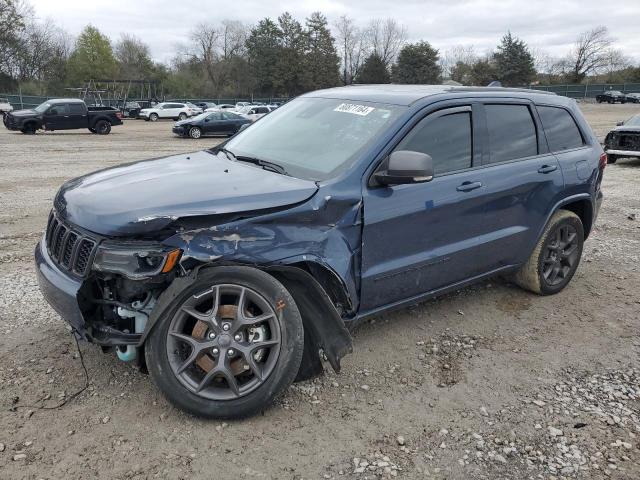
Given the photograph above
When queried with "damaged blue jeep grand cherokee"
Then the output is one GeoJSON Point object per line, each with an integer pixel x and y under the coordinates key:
{"type": "Point", "coordinates": [229, 273]}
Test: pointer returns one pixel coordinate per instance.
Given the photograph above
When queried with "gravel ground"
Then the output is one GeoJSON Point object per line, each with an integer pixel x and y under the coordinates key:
{"type": "Point", "coordinates": [488, 382]}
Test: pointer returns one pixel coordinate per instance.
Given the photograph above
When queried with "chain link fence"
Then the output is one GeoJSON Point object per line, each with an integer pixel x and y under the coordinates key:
{"type": "Point", "coordinates": [20, 102]}
{"type": "Point", "coordinates": [587, 90]}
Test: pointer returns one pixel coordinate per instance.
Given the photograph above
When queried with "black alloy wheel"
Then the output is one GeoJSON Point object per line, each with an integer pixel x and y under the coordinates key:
{"type": "Point", "coordinates": [561, 254]}
{"type": "Point", "coordinates": [223, 342]}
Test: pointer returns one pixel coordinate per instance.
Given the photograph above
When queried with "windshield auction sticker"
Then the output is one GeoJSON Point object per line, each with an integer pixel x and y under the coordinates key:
{"type": "Point", "coordinates": [353, 108]}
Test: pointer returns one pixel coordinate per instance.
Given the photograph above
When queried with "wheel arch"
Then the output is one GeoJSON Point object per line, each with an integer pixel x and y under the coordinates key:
{"type": "Point", "coordinates": [583, 208]}
{"type": "Point", "coordinates": [324, 327]}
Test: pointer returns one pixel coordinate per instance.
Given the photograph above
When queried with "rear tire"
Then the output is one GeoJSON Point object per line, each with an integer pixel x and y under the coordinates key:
{"type": "Point", "coordinates": [193, 365]}
{"type": "Point", "coordinates": [612, 159]}
{"type": "Point", "coordinates": [556, 256]}
{"type": "Point", "coordinates": [195, 132]}
{"type": "Point", "coordinates": [92, 130]}
{"type": "Point", "coordinates": [182, 116]}
{"type": "Point", "coordinates": [102, 127]}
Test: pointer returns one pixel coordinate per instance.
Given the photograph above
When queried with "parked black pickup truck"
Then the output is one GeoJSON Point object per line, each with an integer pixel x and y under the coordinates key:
{"type": "Point", "coordinates": [611, 96]}
{"type": "Point", "coordinates": [64, 114]}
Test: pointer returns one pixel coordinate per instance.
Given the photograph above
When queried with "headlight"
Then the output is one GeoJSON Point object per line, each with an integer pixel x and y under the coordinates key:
{"type": "Point", "coordinates": [135, 261]}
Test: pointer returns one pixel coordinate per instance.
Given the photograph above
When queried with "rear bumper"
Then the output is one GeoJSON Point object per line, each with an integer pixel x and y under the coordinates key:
{"type": "Point", "coordinates": [59, 290]}
{"type": "Point", "coordinates": [623, 153]}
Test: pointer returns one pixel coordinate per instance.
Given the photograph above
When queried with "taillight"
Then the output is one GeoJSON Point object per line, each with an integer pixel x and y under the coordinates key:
{"type": "Point", "coordinates": [603, 160]}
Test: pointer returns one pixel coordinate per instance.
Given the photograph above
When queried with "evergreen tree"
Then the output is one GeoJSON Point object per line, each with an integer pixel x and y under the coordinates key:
{"type": "Point", "coordinates": [483, 72]}
{"type": "Point", "coordinates": [514, 62]}
{"type": "Point", "coordinates": [92, 57]}
{"type": "Point", "coordinates": [373, 70]}
{"type": "Point", "coordinates": [290, 69]}
{"type": "Point", "coordinates": [263, 50]}
{"type": "Point", "coordinates": [321, 62]}
{"type": "Point", "coordinates": [417, 63]}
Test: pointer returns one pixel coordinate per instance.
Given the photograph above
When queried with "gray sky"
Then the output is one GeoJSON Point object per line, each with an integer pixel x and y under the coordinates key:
{"type": "Point", "coordinates": [547, 25]}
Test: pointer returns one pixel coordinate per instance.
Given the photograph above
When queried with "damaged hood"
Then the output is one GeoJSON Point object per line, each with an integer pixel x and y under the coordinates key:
{"type": "Point", "coordinates": [144, 197]}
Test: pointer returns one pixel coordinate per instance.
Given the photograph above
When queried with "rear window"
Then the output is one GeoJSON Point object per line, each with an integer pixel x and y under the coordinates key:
{"type": "Point", "coordinates": [560, 128]}
{"type": "Point", "coordinates": [512, 132]}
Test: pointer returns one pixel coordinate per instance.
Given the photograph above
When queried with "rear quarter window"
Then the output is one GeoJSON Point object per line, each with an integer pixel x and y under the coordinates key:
{"type": "Point", "coordinates": [560, 128]}
{"type": "Point", "coordinates": [512, 132]}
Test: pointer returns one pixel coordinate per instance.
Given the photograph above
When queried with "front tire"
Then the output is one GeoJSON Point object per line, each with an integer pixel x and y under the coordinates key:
{"type": "Point", "coordinates": [29, 129]}
{"type": "Point", "coordinates": [229, 345]}
{"type": "Point", "coordinates": [153, 117]}
{"type": "Point", "coordinates": [612, 159]}
{"type": "Point", "coordinates": [195, 132]}
{"type": "Point", "coordinates": [556, 256]}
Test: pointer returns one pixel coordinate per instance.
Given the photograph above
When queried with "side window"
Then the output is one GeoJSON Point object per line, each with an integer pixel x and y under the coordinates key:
{"type": "Point", "coordinates": [560, 128]}
{"type": "Point", "coordinates": [214, 116]}
{"type": "Point", "coordinates": [76, 109]}
{"type": "Point", "coordinates": [60, 109]}
{"type": "Point", "coordinates": [229, 116]}
{"type": "Point", "coordinates": [512, 132]}
{"type": "Point", "coordinates": [446, 138]}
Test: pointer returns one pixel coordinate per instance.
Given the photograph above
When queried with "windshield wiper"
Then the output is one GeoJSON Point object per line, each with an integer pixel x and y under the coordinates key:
{"type": "Point", "coordinates": [265, 164]}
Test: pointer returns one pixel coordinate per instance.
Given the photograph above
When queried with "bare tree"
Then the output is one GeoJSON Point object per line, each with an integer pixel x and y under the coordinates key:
{"type": "Point", "coordinates": [458, 54]}
{"type": "Point", "coordinates": [352, 47]}
{"type": "Point", "coordinates": [590, 53]}
{"type": "Point", "coordinates": [549, 68]}
{"type": "Point", "coordinates": [134, 57]}
{"type": "Point", "coordinates": [616, 60]}
{"type": "Point", "coordinates": [214, 47]}
{"type": "Point", "coordinates": [386, 38]}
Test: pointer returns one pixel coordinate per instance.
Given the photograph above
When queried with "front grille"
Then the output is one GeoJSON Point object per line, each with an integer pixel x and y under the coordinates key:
{"type": "Point", "coordinates": [69, 248]}
{"type": "Point", "coordinates": [631, 142]}
{"type": "Point", "coordinates": [9, 121]}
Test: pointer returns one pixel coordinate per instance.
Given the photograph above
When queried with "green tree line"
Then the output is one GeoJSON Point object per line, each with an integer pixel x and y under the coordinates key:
{"type": "Point", "coordinates": [284, 57]}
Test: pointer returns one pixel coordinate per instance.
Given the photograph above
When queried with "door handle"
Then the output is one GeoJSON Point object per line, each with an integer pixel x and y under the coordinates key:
{"type": "Point", "coordinates": [468, 186]}
{"type": "Point", "coordinates": [547, 168]}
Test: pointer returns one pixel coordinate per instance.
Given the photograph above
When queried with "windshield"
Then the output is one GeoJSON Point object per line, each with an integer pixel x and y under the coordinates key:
{"type": "Point", "coordinates": [315, 138]}
{"type": "Point", "coordinates": [633, 121]}
{"type": "Point", "coordinates": [43, 107]}
{"type": "Point", "coordinates": [199, 117]}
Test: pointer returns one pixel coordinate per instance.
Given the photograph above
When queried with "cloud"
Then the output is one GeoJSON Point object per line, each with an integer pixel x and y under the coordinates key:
{"type": "Point", "coordinates": [548, 25]}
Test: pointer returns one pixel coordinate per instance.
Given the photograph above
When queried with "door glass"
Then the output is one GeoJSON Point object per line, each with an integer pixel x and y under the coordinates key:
{"type": "Point", "coordinates": [76, 109]}
{"type": "Point", "coordinates": [446, 138]}
{"type": "Point", "coordinates": [560, 128]}
{"type": "Point", "coordinates": [512, 132]}
{"type": "Point", "coordinates": [58, 110]}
